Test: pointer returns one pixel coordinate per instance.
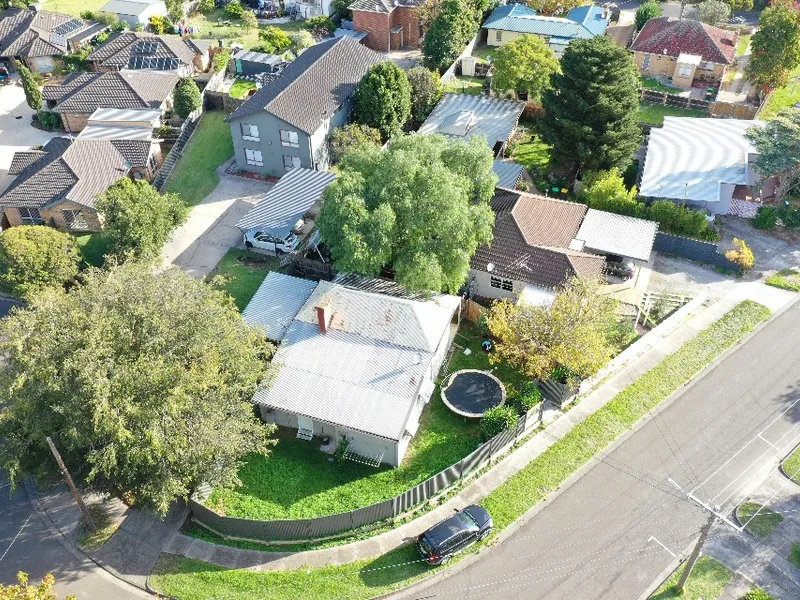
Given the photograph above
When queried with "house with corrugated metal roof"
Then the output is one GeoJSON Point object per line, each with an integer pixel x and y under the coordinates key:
{"type": "Point", "coordinates": [286, 124]}
{"type": "Point", "coordinates": [512, 21]}
{"type": "Point", "coordinates": [352, 366]}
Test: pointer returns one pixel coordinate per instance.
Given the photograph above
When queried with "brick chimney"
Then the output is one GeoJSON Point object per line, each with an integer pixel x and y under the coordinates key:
{"type": "Point", "coordinates": [323, 309]}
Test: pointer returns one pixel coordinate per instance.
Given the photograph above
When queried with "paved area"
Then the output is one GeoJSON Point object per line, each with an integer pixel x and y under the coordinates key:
{"type": "Point", "coordinates": [210, 231]}
{"type": "Point", "coordinates": [617, 529]}
{"type": "Point", "coordinates": [16, 132]}
{"type": "Point", "coordinates": [6, 304]}
{"type": "Point", "coordinates": [29, 544]}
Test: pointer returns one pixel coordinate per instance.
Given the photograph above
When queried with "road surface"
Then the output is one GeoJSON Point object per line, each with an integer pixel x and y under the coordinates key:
{"type": "Point", "coordinates": [616, 529]}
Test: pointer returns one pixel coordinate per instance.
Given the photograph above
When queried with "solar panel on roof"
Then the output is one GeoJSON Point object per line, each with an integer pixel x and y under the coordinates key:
{"type": "Point", "coordinates": [145, 47]}
{"type": "Point", "coordinates": [68, 27]}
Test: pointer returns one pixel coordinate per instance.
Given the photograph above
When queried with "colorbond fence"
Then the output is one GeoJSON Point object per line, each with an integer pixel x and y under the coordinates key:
{"type": "Point", "coordinates": [333, 525]}
{"type": "Point", "coordinates": [706, 252]}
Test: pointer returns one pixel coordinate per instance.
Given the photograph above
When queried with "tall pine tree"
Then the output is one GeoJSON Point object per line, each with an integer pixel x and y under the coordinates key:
{"type": "Point", "coordinates": [592, 107]}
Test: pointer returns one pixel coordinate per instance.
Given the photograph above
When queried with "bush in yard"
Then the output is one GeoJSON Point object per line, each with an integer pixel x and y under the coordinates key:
{"type": "Point", "coordinates": [449, 32]}
{"type": "Point", "coordinates": [426, 91]}
{"type": "Point", "coordinates": [23, 590]}
{"type": "Point", "coordinates": [766, 218]}
{"type": "Point", "coordinates": [33, 95]}
{"type": "Point", "coordinates": [160, 24]}
{"type": "Point", "coordinates": [276, 41]}
{"type": "Point", "coordinates": [221, 60]}
{"type": "Point", "coordinates": [34, 257]}
{"type": "Point", "coordinates": [757, 594]}
{"type": "Point", "coordinates": [778, 147]}
{"type": "Point", "coordinates": [649, 10]}
{"type": "Point", "coordinates": [321, 25]}
{"type": "Point", "coordinates": [155, 398]}
{"type": "Point", "coordinates": [775, 47]}
{"type": "Point", "coordinates": [342, 8]}
{"type": "Point", "coordinates": [530, 397]}
{"type": "Point", "coordinates": [234, 9]}
{"type": "Point", "coordinates": [498, 419]}
{"type": "Point", "coordinates": [50, 120]}
{"type": "Point", "coordinates": [383, 99]}
{"type": "Point", "coordinates": [186, 99]}
{"type": "Point", "coordinates": [206, 6]}
{"type": "Point", "coordinates": [605, 190]}
{"type": "Point", "coordinates": [352, 138]}
{"type": "Point", "coordinates": [175, 10]}
{"type": "Point", "coordinates": [302, 40]}
{"type": "Point", "coordinates": [713, 12]}
{"type": "Point", "coordinates": [139, 220]}
{"type": "Point", "coordinates": [524, 65]}
{"type": "Point", "coordinates": [483, 325]}
{"type": "Point", "coordinates": [742, 255]}
{"type": "Point", "coordinates": [789, 216]}
{"type": "Point", "coordinates": [249, 20]}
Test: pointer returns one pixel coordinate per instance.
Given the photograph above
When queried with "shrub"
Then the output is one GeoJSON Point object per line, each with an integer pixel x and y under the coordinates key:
{"type": "Point", "coordinates": [645, 12]}
{"type": "Point", "coordinates": [88, 15]}
{"type": "Point", "coordinates": [33, 95]}
{"type": "Point", "coordinates": [497, 420]}
{"type": "Point", "coordinates": [757, 594]}
{"type": "Point", "coordinates": [206, 6]}
{"type": "Point", "coordinates": [342, 8]}
{"type": "Point", "coordinates": [34, 257]}
{"type": "Point", "coordinates": [789, 216]}
{"type": "Point", "coordinates": [383, 99]}
{"type": "Point", "coordinates": [234, 9]}
{"type": "Point", "coordinates": [766, 218]}
{"type": "Point", "coordinates": [302, 40]}
{"type": "Point", "coordinates": [186, 98]}
{"type": "Point", "coordinates": [50, 120]}
{"type": "Point", "coordinates": [161, 25]}
{"type": "Point", "coordinates": [249, 20]}
{"type": "Point", "coordinates": [275, 40]}
{"type": "Point", "coordinates": [483, 325]}
{"type": "Point", "coordinates": [530, 397]}
{"type": "Point", "coordinates": [742, 255]}
{"type": "Point", "coordinates": [426, 91]}
{"type": "Point", "coordinates": [221, 60]}
{"type": "Point", "coordinates": [320, 25]}
{"type": "Point", "coordinates": [351, 138]}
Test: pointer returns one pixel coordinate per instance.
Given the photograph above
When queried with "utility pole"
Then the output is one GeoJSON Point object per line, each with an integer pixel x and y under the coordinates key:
{"type": "Point", "coordinates": [695, 553]}
{"type": "Point", "coordinates": [71, 485]}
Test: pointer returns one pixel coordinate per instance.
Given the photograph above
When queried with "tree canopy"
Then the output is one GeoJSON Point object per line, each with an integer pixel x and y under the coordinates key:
{"type": "Point", "coordinates": [33, 95]}
{"type": "Point", "coordinates": [606, 191]}
{"type": "Point", "coordinates": [139, 220]}
{"type": "Point", "coordinates": [426, 91]}
{"type": "Point", "coordinates": [186, 99]}
{"type": "Point", "coordinates": [555, 7]}
{"type": "Point", "coordinates": [276, 41]}
{"type": "Point", "coordinates": [22, 590]}
{"type": "Point", "coordinates": [592, 109]}
{"type": "Point", "coordinates": [713, 12]}
{"type": "Point", "coordinates": [302, 40]}
{"type": "Point", "coordinates": [383, 99]}
{"type": "Point", "coordinates": [574, 333]}
{"type": "Point", "coordinates": [146, 388]}
{"type": "Point", "coordinates": [420, 207]}
{"type": "Point", "coordinates": [649, 10]}
{"type": "Point", "coordinates": [775, 47]}
{"type": "Point", "coordinates": [524, 65]}
{"type": "Point", "coordinates": [351, 138]}
{"type": "Point", "coordinates": [449, 33]}
{"type": "Point", "coordinates": [34, 257]}
{"type": "Point", "coordinates": [778, 145]}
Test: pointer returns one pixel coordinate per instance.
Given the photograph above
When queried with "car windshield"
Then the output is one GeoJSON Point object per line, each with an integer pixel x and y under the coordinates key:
{"type": "Point", "coordinates": [426, 545]}
{"type": "Point", "coordinates": [468, 520]}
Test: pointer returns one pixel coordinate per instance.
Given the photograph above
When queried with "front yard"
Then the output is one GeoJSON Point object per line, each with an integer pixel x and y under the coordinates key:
{"type": "Point", "coordinates": [782, 98]}
{"type": "Point", "coordinates": [653, 114]}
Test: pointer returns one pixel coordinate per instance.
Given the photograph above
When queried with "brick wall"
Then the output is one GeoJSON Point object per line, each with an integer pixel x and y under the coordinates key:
{"type": "Point", "coordinates": [55, 217]}
{"type": "Point", "coordinates": [408, 19]}
{"type": "Point", "coordinates": [376, 26]}
{"type": "Point", "coordinates": [74, 123]}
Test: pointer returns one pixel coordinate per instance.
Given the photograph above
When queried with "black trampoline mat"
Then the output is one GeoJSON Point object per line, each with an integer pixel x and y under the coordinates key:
{"type": "Point", "coordinates": [474, 392]}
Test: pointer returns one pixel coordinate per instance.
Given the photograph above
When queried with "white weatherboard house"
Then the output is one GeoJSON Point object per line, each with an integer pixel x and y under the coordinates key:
{"type": "Point", "coordinates": [351, 364]}
{"type": "Point", "coordinates": [703, 163]}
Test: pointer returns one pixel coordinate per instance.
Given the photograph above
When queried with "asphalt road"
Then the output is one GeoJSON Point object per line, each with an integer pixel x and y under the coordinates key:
{"type": "Point", "coordinates": [27, 545]}
{"type": "Point", "coordinates": [602, 537]}
{"type": "Point", "coordinates": [673, 9]}
{"type": "Point", "coordinates": [6, 306]}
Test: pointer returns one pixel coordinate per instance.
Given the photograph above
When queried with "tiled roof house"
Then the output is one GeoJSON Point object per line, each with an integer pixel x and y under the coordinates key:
{"type": "Point", "coordinates": [136, 50]}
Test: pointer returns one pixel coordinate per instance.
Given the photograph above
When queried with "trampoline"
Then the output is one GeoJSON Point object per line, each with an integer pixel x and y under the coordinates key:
{"type": "Point", "coordinates": [470, 393]}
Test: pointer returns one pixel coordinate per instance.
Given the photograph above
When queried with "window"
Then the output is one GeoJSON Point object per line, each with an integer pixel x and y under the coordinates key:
{"type": "Point", "coordinates": [508, 285]}
{"type": "Point", "coordinates": [707, 66]}
{"type": "Point", "coordinates": [253, 157]}
{"type": "Point", "coordinates": [646, 61]}
{"type": "Point", "coordinates": [289, 139]}
{"type": "Point", "coordinates": [291, 162]}
{"type": "Point", "coordinates": [684, 70]}
{"type": "Point", "coordinates": [250, 132]}
{"type": "Point", "coordinates": [30, 216]}
{"type": "Point", "coordinates": [502, 284]}
{"type": "Point", "coordinates": [498, 35]}
{"type": "Point", "coordinates": [74, 219]}
{"type": "Point", "coordinates": [495, 282]}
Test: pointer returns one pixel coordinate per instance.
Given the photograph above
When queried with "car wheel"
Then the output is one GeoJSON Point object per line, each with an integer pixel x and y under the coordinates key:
{"type": "Point", "coordinates": [484, 535]}
{"type": "Point", "coordinates": [445, 560]}
{"type": "Point", "coordinates": [248, 245]}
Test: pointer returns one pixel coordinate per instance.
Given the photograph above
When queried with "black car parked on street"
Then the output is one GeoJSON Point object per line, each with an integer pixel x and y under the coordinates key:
{"type": "Point", "coordinates": [453, 535]}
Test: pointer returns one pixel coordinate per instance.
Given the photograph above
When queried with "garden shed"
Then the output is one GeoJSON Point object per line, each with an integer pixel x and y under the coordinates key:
{"type": "Point", "coordinates": [247, 62]}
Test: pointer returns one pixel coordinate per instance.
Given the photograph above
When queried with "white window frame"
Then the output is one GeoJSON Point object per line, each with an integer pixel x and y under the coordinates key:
{"type": "Point", "coordinates": [249, 132]}
{"type": "Point", "coordinates": [498, 36]}
{"type": "Point", "coordinates": [646, 61]}
{"type": "Point", "coordinates": [507, 285]}
{"type": "Point", "coordinates": [707, 65]}
{"type": "Point", "coordinates": [289, 139]}
{"type": "Point", "coordinates": [30, 216]}
{"type": "Point", "coordinates": [74, 219]}
{"type": "Point", "coordinates": [684, 70]}
{"type": "Point", "coordinates": [251, 158]}
{"type": "Point", "coordinates": [295, 161]}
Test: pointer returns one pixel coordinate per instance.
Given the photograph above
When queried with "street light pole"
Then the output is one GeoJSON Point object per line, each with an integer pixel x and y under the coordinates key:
{"type": "Point", "coordinates": [71, 485]}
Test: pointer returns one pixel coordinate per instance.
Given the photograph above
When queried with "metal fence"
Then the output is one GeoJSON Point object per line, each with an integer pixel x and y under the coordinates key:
{"type": "Point", "coordinates": [332, 525]}
{"type": "Point", "coordinates": [706, 252]}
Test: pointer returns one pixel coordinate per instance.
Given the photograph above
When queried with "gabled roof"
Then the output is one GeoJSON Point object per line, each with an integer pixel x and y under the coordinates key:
{"type": "Point", "coordinates": [125, 89]}
{"type": "Point", "coordinates": [77, 170]}
{"type": "Point", "coordinates": [671, 37]}
{"type": "Point", "coordinates": [287, 202]}
{"type": "Point", "coordinates": [688, 158]}
{"type": "Point", "coordinates": [608, 233]}
{"type": "Point", "coordinates": [32, 34]}
{"type": "Point", "coordinates": [277, 302]}
{"type": "Point", "coordinates": [531, 242]}
{"type": "Point", "coordinates": [127, 49]}
{"type": "Point", "coordinates": [583, 22]}
{"type": "Point", "coordinates": [314, 85]}
{"type": "Point", "coordinates": [382, 6]}
{"type": "Point", "coordinates": [462, 116]}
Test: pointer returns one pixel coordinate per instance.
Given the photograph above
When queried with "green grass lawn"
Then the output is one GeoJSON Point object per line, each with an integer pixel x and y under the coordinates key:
{"type": "Point", "coordinates": [195, 177]}
{"type": "Point", "coordinates": [653, 114]}
{"type": "Point", "coordinates": [74, 7]}
{"type": "Point", "coordinates": [707, 581]}
{"type": "Point", "coordinates": [532, 152]}
{"type": "Point", "coordinates": [744, 42]}
{"type": "Point", "coordinates": [765, 522]}
{"type": "Point", "coordinates": [794, 555]}
{"type": "Point", "coordinates": [240, 88]}
{"type": "Point", "coordinates": [244, 271]}
{"type": "Point", "coordinates": [486, 53]}
{"type": "Point", "coordinates": [787, 279]}
{"type": "Point", "coordinates": [791, 466]}
{"type": "Point", "coordinates": [90, 539]}
{"type": "Point", "coordinates": [651, 83]}
{"type": "Point", "coordinates": [211, 28]}
{"type": "Point", "coordinates": [465, 85]}
{"type": "Point", "coordinates": [195, 580]}
{"type": "Point", "coordinates": [93, 248]}
{"type": "Point", "coordinates": [782, 98]}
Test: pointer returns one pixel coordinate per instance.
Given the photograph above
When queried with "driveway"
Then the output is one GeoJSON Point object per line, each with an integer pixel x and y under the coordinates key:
{"type": "Point", "coordinates": [16, 132]}
{"type": "Point", "coordinates": [198, 245]}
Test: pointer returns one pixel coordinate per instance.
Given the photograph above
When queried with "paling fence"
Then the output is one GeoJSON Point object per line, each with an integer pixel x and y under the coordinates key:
{"type": "Point", "coordinates": [332, 525]}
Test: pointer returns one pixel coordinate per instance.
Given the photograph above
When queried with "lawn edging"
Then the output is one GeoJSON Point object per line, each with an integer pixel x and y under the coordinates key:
{"type": "Point", "coordinates": [620, 417]}
{"type": "Point", "coordinates": [786, 459]}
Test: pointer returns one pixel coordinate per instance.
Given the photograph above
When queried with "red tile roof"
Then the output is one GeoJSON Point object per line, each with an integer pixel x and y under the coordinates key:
{"type": "Point", "coordinates": [670, 37]}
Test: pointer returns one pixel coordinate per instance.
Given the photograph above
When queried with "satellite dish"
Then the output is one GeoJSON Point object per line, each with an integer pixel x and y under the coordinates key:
{"type": "Point", "coordinates": [490, 267]}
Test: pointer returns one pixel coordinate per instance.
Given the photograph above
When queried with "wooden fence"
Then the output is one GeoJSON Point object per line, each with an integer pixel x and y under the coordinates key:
{"type": "Point", "coordinates": [685, 102]}
{"type": "Point", "coordinates": [472, 310]}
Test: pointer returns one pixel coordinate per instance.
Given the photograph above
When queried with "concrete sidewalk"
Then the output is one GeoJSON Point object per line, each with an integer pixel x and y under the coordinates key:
{"type": "Point", "coordinates": [657, 349]}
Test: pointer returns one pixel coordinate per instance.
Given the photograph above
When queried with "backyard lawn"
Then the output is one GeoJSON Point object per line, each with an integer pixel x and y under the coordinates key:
{"type": "Point", "coordinates": [93, 248]}
{"type": "Point", "coordinates": [240, 88]}
{"type": "Point", "coordinates": [744, 42]}
{"type": "Point", "coordinates": [244, 272]}
{"type": "Point", "coordinates": [651, 83]}
{"type": "Point", "coordinates": [195, 177]}
{"type": "Point", "coordinates": [532, 152]}
{"type": "Point", "coordinates": [485, 52]}
{"type": "Point", "coordinates": [211, 28]}
{"type": "Point", "coordinates": [653, 114]}
{"type": "Point", "coordinates": [74, 7]}
{"type": "Point", "coordinates": [707, 581]}
{"type": "Point", "coordinates": [782, 98]}
{"type": "Point", "coordinates": [465, 85]}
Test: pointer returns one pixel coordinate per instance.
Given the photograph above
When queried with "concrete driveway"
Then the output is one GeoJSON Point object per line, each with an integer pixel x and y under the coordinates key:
{"type": "Point", "coordinates": [16, 132]}
{"type": "Point", "coordinates": [198, 245]}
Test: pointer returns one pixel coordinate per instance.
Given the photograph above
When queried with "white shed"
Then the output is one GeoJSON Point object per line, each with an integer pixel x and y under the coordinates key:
{"type": "Point", "coordinates": [135, 12]}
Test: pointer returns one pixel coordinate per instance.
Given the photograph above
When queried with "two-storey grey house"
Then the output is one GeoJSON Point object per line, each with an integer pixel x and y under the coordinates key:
{"type": "Point", "coordinates": [286, 123]}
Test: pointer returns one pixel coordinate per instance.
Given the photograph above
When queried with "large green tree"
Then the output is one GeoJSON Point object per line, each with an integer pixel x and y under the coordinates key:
{"type": "Point", "coordinates": [778, 145]}
{"type": "Point", "coordinates": [145, 388]}
{"type": "Point", "coordinates": [139, 220]}
{"type": "Point", "coordinates": [34, 257]}
{"type": "Point", "coordinates": [352, 138]}
{"type": "Point", "coordinates": [649, 10]}
{"type": "Point", "coordinates": [420, 207]}
{"type": "Point", "coordinates": [555, 7]}
{"type": "Point", "coordinates": [775, 47]}
{"type": "Point", "coordinates": [606, 191]}
{"type": "Point", "coordinates": [591, 111]}
{"type": "Point", "coordinates": [426, 91]}
{"type": "Point", "coordinates": [186, 98]}
{"type": "Point", "coordinates": [524, 65]}
{"type": "Point", "coordinates": [713, 12]}
{"type": "Point", "coordinates": [33, 95]}
{"type": "Point", "coordinates": [449, 33]}
{"type": "Point", "coordinates": [383, 99]}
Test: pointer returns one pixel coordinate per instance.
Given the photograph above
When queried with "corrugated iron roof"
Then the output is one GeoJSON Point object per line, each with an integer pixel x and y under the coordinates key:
{"type": "Point", "coordinates": [580, 23]}
{"type": "Point", "coordinates": [277, 302]}
{"type": "Point", "coordinates": [490, 117]}
{"type": "Point", "coordinates": [617, 234]}
{"type": "Point", "coordinates": [508, 173]}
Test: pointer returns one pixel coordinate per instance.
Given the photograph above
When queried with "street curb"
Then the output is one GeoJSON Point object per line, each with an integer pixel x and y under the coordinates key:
{"type": "Point", "coordinates": [592, 462]}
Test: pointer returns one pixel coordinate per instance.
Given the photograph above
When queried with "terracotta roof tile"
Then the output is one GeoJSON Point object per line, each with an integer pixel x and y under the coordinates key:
{"type": "Point", "coordinates": [670, 37]}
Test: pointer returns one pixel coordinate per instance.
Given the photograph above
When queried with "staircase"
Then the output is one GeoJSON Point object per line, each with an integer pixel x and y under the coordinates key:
{"type": "Point", "coordinates": [175, 154]}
